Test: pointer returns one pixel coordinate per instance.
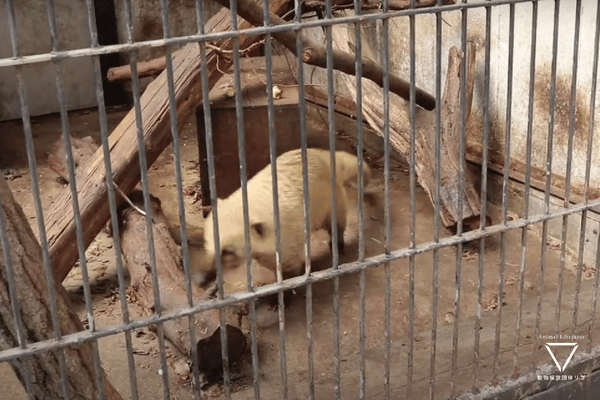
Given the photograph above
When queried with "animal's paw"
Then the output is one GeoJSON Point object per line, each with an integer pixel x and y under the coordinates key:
{"type": "Point", "coordinates": [211, 291]}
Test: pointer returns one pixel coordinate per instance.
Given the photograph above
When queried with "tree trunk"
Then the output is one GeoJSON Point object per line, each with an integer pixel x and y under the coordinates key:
{"type": "Point", "coordinates": [91, 180]}
{"type": "Point", "coordinates": [29, 286]}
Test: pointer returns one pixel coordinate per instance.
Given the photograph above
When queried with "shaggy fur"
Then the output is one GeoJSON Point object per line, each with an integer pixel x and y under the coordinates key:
{"type": "Point", "coordinates": [291, 210]}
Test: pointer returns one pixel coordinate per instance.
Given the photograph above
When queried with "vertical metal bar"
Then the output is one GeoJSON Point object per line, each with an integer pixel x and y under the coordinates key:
{"type": "Point", "coordinates": [588, 170]}
{"type": "Point", "coordinates": [361, 241]}
{"type": "Point", "coordinates": [548, 170]}
{"type": "Point", "coordinates": [565, 220]}
{"type": "Point", "coordinates": [244, 186]}
{"type": "Point", "coordinates": [111, 197]}
{"type": "Point", "coordinates": [179, 184]}
{"type": "Point", "coordinates": [36, 198]}
{"type": "Point", "coordinates": [486, 136]}
{"type": "Point", "coordinates": [413, 209]}
{"type": "Point", "coordinates": [524, 232]}
{"type": "Point", "coordinates": [276, 218]}
{"type": "Point", "coordinates": [459, 231]}
{"type": "Point", "coordinates": [200, 30]}
{"type": "Point", "coordinates": [505, 185]}
{"type": "Point", "coordinates": [147, 205]}
{"type": "Point", "coordinates": [307, 227]}
{"type": "Point", "coordinates": [412, 190]}
{"type": "Point", "coordinates": [386, 174]}
{"type": "Point", "coordinates": [64, 118]}
{"type": "Point", "coordinates": [334, 231]}
{"type": "Point", "coordinates": [213, 191]}
{"type": "Point", "coordinates": [582, 233]}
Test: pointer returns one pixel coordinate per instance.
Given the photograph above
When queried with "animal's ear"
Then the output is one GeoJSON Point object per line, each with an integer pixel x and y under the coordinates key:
{"type": "Point", "coordinates": [259, 228]}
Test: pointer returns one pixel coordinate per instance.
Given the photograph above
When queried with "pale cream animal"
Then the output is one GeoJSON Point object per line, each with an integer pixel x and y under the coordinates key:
{"type": "Point", "coordinates": [291, 211]}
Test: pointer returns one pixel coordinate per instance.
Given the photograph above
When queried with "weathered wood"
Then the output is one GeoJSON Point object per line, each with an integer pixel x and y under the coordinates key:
{"type": "Point", "coordinates": [451, 120]}
{"type": "Point", "coordinates": [156, 117]}
{"type": "Point", "coordinates": [372, 100]}
{"type": "Point", "coordinates": [83, 149]}
{"type": "Point", "coordinates": [30, 287]}
{"type": "Point", "coordinates": [144, 68]}
{"type": "Point", "coordinates": [171, 287]}
{"type": "Point", "coordinates": [314, 54]}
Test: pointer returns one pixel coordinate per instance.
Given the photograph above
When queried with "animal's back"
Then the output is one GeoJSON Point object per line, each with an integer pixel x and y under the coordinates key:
{"type": "Point", "coordinates": [290, 190]}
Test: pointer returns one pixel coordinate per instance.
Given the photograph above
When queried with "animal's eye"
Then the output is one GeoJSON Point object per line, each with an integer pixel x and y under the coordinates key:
{"type": "Point", "coordinates": [227, 253]}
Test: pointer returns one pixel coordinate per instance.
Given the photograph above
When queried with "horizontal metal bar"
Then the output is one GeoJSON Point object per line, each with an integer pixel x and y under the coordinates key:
{"type": "Point", "coordinates": [292, 26]}
{"type": "Point", "coordinates": [345, 269]}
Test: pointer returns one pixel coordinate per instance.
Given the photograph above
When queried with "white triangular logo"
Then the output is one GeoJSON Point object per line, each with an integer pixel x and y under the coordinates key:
{"type": "Point", "coordinates": [564, 366]}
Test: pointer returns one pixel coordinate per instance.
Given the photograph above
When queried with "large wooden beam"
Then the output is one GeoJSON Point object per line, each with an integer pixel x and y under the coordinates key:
{"type": "Point", "coordinates": [93, 201]}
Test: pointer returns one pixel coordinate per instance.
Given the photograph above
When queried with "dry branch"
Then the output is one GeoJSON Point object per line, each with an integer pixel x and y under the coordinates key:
{"type": "Point", "coordinates": [144, 68]}
{"type": "Point", "coordinates": [30, 288]}
{"type": "Point", "coordinates": [171, 285]}
{"type": "Point", "coordinates": [155, 111]}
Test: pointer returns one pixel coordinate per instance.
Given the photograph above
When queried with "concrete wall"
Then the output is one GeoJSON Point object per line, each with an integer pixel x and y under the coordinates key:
{"type": "Point", "coordinates": [451, 35]}
{"type": "Point", "coordinates": [34, 38]}
{"type": "Point", "coordinates": [147, 23]}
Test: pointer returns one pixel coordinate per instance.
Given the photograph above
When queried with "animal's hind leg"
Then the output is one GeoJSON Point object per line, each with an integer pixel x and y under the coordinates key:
{"type": "Point", "coordinates": [340, 238]}
{"type": "Point", "coordinates": [341, 229]}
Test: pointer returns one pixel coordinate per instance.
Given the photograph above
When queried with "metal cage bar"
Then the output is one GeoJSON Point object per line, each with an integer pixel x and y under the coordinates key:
{"type": "Point", "coordinates": [412, 379]}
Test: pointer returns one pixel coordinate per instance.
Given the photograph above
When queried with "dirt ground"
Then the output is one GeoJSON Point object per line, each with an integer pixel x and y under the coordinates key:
{"type": "Point", "coordinates": [107, 311]}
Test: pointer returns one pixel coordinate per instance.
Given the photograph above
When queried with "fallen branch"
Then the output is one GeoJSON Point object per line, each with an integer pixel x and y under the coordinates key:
{"type": "Point", "coordinates": [144, 68]}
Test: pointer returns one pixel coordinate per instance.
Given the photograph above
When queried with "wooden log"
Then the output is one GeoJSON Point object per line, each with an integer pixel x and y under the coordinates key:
{"type": "Point", "coordinates": [171, 287]}
{"type": "Point", "coordinates": [83, 149]}
{"type": "Point", "coordinates": [29, 286]}
{"type": "Point", "coordinates": [372, 100]}
{"type": "Point", "coordinates": [123, 144]}
{"type": "Point", "coordinates": [144, 68]}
